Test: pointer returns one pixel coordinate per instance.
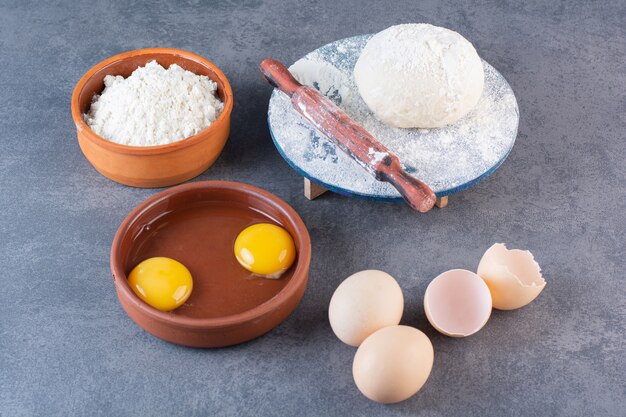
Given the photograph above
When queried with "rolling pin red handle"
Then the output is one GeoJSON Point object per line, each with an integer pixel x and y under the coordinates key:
{"type": "Point", "coordinates": [279, 76]}
{"type": "Point", "coordinates": [417, 194]}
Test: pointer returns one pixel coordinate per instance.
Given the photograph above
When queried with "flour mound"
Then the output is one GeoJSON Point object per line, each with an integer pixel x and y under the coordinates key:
{"type": "Point", "coordinates": [154, 106]}
{"type": "Point", "coordinates": [419, 75]}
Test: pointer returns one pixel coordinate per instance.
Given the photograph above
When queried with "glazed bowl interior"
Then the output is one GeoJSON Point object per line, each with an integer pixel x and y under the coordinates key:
{"type": "Point", "coordinates": [125, 64]}
{"type": "Point", "coordinates": [197, 224]}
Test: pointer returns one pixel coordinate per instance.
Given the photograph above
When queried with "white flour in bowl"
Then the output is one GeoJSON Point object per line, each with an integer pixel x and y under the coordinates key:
{"type": "Point", "coordinates": [154, 106]}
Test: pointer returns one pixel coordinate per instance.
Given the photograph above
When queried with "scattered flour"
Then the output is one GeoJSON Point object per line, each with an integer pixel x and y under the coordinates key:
{"type": "Point", "coordinates": [376, 157]}
{"type": "Point", "coordinates": [154, 106]}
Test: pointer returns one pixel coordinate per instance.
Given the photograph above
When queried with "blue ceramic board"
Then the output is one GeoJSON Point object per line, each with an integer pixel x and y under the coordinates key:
{"type": "Point", "coordinates": [448, 159]}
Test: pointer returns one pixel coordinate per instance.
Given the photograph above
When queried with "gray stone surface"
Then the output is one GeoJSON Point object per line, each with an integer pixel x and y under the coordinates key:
{"type": "Point", "coordinates": [66, 346]}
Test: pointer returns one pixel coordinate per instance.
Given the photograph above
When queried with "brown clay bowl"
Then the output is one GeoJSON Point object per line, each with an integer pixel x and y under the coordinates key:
{"type": "Point", "coordinates": [151, 166]}
{"type": "Point", "coordinates": [197, 224]}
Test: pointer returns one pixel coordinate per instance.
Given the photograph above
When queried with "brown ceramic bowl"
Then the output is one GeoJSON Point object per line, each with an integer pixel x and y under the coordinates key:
{"type": "Point", "coordinates": [197, 224]}
{"type": "Point", "coordinates": [151, 166]}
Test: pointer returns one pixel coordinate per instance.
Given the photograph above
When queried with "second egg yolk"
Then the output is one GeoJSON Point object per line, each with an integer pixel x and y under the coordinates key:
{"type": "Point", "coordinates": [265, 249]}
{"type": "Point", "coordinates": [164, 283]}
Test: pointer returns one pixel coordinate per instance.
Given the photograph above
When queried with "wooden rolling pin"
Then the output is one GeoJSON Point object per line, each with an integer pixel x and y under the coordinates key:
{"type": "Point", "coordinates": [349, 136]}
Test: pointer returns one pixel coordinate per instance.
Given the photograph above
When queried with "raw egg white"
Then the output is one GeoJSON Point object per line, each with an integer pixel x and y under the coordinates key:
{"type": "Point", "coordinates": [363, 303]}
{"type": "Point", "coordinates": [457, 303]}
{"type": "Point", "coordinates": [265, 249]}
{"type": "Point", "coordinates": [163, 283]}
{"type": "Point", "coordinates": [513, 276]}
{"type": "Point", "coordinates": [393, 363]}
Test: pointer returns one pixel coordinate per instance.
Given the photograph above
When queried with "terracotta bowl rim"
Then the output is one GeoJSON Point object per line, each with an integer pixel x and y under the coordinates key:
{"type": "Point", "coordinates": [298, 279]}
{"type": "Point", "coordinates": [81, 126]}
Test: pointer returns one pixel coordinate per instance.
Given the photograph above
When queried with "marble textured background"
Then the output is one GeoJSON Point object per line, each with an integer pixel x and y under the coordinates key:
{"type": "Point", "coordinates": [66, 346]}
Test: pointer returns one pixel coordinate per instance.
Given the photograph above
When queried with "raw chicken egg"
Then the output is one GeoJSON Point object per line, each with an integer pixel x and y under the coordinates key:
{"type": "Point", "coordinates": [393, 363]}
{"type": "Point", "coordinates": [265, 249]}
{"type": "Point", "coordinates": [363, 303]}
{"type": "Point", "coordinates": [457, 303]}
{"type": "Point", "coordinates": [513, 276]}
{"type": "Point", "coordinates": [161, 282]}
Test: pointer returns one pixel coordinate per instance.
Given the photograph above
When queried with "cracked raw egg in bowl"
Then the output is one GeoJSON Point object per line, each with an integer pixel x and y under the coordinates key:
{"type": "Point", "coordinates": [265, 249]}
{"type": "Point", "coordinates": [197, 225]}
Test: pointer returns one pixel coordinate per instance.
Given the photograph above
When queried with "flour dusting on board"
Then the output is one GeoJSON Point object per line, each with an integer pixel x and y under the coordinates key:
{"type": "Point", "coordinates": [444, 158]}
{"type": "Point", "coordinates": [376, 156]}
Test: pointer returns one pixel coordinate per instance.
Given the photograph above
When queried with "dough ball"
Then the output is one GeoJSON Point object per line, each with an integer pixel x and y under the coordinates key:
{"type": "Point", "coordinates": [419, 75]}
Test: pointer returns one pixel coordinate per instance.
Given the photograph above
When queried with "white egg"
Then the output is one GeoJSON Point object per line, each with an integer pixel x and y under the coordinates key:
{"type": "Point", "coordinates": [513, 276]}
{"type": "Point", "coordinates": [393, 363]}
{"type": "Point", "coordinates": [457, 303]}
{"type": "Point", "coordinates": [363, 303]}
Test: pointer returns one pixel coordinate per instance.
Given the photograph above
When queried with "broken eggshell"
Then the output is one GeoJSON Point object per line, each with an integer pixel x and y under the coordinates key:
{"type": "Point", "coordinates": [512, 275]}
{"type": "Point", "coordinates": [457, 303]}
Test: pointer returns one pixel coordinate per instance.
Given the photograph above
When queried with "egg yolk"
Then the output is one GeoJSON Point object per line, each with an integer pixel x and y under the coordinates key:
{"type": "Point", "coordinates": [161, 282]}
{"type": "Point", "coordinates": [265, 249]}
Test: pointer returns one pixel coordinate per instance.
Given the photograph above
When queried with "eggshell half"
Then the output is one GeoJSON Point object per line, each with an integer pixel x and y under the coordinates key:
{"type": "Point", "coordinates": [393, 363]}
{"type": "Point", "coordinates": [363, 303]}
{"type": "Point", "coordinates": [457, 303]}
{"type": "Point", "coordinates": [512, 275]}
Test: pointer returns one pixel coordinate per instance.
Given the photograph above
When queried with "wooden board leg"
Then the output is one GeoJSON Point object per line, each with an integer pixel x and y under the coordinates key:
{"type": "Point", "coordinates": [312, 190]}
{"type": "Point", "coordinates": [442, 202]}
